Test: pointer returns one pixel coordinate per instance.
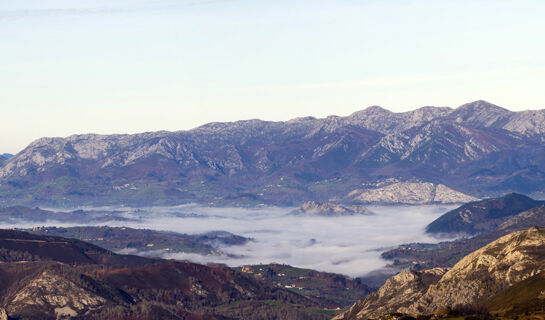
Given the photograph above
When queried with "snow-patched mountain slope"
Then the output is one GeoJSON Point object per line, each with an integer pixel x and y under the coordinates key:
{"type": "Point", "coordinates": [478, 149]}
{"type": "Point", "coordinates": [409, 193]}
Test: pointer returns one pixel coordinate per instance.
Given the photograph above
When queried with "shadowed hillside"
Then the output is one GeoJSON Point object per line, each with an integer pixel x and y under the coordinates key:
{"type": "Point", "coordinates": [48, 277]}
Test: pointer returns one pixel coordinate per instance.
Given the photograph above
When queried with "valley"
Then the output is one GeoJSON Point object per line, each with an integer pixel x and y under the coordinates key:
{"type": "Point", "coordinates": [424, 214]}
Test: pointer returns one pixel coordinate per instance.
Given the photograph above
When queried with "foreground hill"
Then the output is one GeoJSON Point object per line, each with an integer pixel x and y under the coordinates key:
{"type": "Point", "coordinates": [47, 277]}
{"type": "Point", "coordinates": [483, 278]}
{"type": "Point", "coordinates": [477, 149]}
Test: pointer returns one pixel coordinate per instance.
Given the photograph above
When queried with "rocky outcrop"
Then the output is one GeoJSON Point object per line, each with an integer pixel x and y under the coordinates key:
{"type": "Point", "coordinates": [409, 193]}
{"type": "Point", "coordinates": [398, 293]}
{"type": "Point", "coordinates": [487, 271]}
{"type": "Point", "coordinates": [330, 209]}
{"type": "Point", "coordinates": [54, 294]}
{"type": "Point", "coordinates": [477, 277]}
{"type": "Point", "coordinates": [3, 314]}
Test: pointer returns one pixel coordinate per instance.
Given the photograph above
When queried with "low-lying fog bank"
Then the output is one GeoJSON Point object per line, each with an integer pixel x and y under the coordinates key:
{"type": "Point", "coordinates": [348, 244]}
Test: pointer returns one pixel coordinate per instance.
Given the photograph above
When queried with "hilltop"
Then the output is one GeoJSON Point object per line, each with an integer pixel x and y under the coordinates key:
{"type": "Point", "coordinates": [481, 216]}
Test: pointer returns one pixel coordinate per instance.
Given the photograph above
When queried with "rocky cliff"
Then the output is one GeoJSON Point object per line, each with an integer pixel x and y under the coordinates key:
{"type": "Point", "coordinates": [398, 293]}
{"type": "Point", "coordinates": [479, 276]}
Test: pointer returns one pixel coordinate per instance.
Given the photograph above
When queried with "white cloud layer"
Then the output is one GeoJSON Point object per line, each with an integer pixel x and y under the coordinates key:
{"type": "Point", "coordinates": [349, 245]}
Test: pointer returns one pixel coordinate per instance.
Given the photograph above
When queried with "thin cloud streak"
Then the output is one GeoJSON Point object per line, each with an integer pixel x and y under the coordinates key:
{"type": "Point", "coordinates": [402, 80]}
{"type": "Point", "coordinates": [148, 7]}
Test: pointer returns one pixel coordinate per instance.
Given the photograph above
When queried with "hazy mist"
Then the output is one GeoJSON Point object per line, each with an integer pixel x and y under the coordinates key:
{"type": "Point", "coordinates": [350, 245]}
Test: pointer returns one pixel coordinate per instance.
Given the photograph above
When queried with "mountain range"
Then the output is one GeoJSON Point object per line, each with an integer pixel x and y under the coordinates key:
{"type": "Point", "coordinates": [478, 149]}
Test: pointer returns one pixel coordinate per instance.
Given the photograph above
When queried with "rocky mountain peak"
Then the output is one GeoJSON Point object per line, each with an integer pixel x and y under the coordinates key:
{"type": "Point", "coordinates": [376, 110]}
{"type": "Point", "coordinates": [482, 106]}
{"type": "Point", "coordinates": [481, 113]}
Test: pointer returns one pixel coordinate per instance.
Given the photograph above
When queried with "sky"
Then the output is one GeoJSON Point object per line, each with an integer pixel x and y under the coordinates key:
{"type": "Point", "coordinates": [127, 66]}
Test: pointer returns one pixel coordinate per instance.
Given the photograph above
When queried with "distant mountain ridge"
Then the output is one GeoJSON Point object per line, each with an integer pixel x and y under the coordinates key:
{"type": "Point", "coordinates": [4, 157]}
{"type": "Point", "coordinates": [478, 149]}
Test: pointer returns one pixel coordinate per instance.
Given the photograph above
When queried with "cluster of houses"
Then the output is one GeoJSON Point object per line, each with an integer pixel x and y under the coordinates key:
{"type": "Point", "coordinates": [259, 274]}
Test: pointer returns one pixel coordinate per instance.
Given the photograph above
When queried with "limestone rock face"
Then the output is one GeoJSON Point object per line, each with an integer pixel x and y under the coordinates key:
{"type": "Point", "coordinates": [52, 292]}
{"type": "Point", "coordinates": [409, 193]}
{"type": "Point", "coordinates": [480, 275]}
{"type": "Point", "coordinates": [398, 293]}
{"type": "Point", "coordinates": [486, 271]}
{"type": "Point", "coordinates": [330, 209]}
{"type": "Point", "coordinates": [3, 314]}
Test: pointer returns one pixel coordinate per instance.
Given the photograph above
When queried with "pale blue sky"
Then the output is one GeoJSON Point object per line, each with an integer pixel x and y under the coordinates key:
{"type": "Point", "coordinates": [125, 66]}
